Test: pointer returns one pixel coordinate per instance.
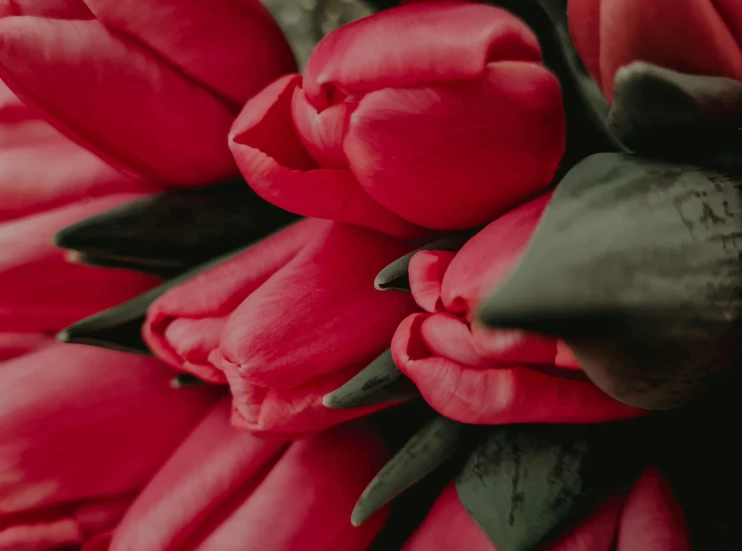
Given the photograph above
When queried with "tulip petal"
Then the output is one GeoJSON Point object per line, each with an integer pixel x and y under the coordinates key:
{"type": "Point", "coordinates": [448, 526]}
{"type": "Point", "coordinates": [17, 344]}
{"type": "Point", "coordinates": [691, 37]}
{"type": "Point", "coordinates": [54, 9]}
{"type": "Point", "coordinates": [584, 27]}
{"type": "Point", "coordinates": [652, 519]}
{"type": "Point", "coordinates": [299, 323]}
{"type": "Point", "coordinates": [40, 169]}
{"type": "Point", "coordinates": [63, 397]}
{"type": "Point", "coordinates": [42, 292]}
{"type": "Point", "coordinates": [56, 65]}
{"type": "Point", "coordinates": [290, 412]}
{"type": "Point", "coordinates": [510, 393]}
{"type": "Point", "coordinates": [403, 47]}
{"type": "Point", "coordinates": [184, 325]}
{"type": "Point", "coordinates": [426, 271]}
{"type": "Point", "coordinates": [214, 469]}
{"type": "Point", "coordinates": [305, 500]}
{"type": "Point", "coordinates": [488, 160]}
{"type": "Point", "coordinates": [277, 166]}
{"type": "Point", "coordinates": [488, 258]}
{"type": "Point", "coordinates": [234, 48]}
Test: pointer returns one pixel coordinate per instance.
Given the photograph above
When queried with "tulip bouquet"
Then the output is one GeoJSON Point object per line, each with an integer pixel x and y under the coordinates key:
{"type": "Point", "coordinates": [469, 281]}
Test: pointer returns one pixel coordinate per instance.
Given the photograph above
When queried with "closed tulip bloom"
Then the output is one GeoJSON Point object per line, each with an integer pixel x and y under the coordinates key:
{"type": "Point", "coordinates": [39, 289]}
{"type": "Point", "coordinates": [82, 430]}
{"type": "Point", "coordinates": [284, 322]}
{"type": "Point", "coordinates": [647, 518]}
{"type": "Point", "coordinates": [151, 87]}
{"type": "Point", "coordinates": [435, 115]}
{"type": "Point", "coordinates": [482, 376]}
{"type": "Point", "coordinates": [227, 489]}
{"type": "Point", "coordinates": [694, 36]}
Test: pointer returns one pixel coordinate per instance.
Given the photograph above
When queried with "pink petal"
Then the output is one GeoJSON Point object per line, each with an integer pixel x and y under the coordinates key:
{"type": "Point", "coordinates": [304, 502]}
{"type": "Point", "coordinates": [584, 27]}
{"type": "Point", "coordinates": [41, 169]}
{"type": "Point", "coordinates": [414, 45]}
{"type": "Point", "coordinates": [106, 92]}
{"type": "Point", "coordinates": [595, 533]}
{"type": "Point", "coordinates": [55, 9]}
{"type": "Point", "coordinates": [690, 36]}
{"type": "Point", "coordinates": [41, 536]}
{"type": "Point", "coordinates": [652, 519]}
{"type": "Point", "coordinates": [17, 344]}
{"type": "Point", "coordinates": [319, 313]}
{"type": "Point", "coordinates": [184, 325]}
{"type": "Point", "coordinates": [448, 526]}
{"type": "Point", "coordinates": [39, 290]}
{"type": "Point", "coordinates": [277, 166]}
{"type": "Point", "coordinates": [233, 48]}
{"type": "Point", "coordinates": [211, 473]}
{"type": "Point", "coordinates": [82, 422]}
{"type": "Point", "coordinates": [426, 272]}
{"type": "Point", "coordinates": [508, 394]}
{"type": "Point", "coordinates": [291, 412]}
{"type": "Point", "coordinates": [503, 140]}
{"type": "Point", "coordinates": [489, 257]}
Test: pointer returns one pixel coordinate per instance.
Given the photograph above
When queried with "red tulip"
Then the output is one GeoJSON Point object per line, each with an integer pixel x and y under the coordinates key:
{"type": "Point", "coordinates": [476, 375]}
{"type": "Point", "coordinates": [224, 488]}
{"type": "Point", "coordinates": [649, 519]}
{"type": "Point", "coordinates": [82, 430]}
{"type": "Point", "coordinates": [693, 36]}
{"type": "Point", "coordinates": [150, 86]}
{"type": "Point", "coordinates": [434, 115]}
{"type": "Point", "coordinates": [39, 290]}
{"type": "Point", "coordinates": [287, 321]}
{"type": "Point", "coordinates": [17, 344]}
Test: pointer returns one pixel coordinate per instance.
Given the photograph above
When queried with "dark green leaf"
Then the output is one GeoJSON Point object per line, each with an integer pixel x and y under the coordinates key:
{"type": "Point", "coordinates": [636, 265]}
{"type": "Point", "coordinates": [171, 232]}
{"type": "Point", "coordinates": [526, 484]}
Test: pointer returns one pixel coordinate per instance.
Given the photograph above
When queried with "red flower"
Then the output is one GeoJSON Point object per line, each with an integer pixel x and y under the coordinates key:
{"type": "Point", "coordinates": [435, 116]}
{"type": "Point", "coordinates": [476, 375]}
{"type": "Point", "coordinates": [150, 86]}
{"type": "Point", "coordinates": [223, 486]}
{"type": "Point", "coordinates": [692, 36]}
{"type": "Point", "coordinates": [82, 431]}
{"type": "Point", "coordinates": [648, 519]}
{"type": "Point", "coordinates": [285, 322]}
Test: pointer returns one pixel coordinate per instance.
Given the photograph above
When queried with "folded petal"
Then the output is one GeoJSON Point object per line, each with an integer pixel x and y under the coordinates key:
{"type": "Point", "coordinates": [488, 258]}
{"type": "Point", "coordinates": [214, 470]}
{"type": "Point", "coordinates": [319, 313]}
{"type": "Point", "coordinates": [278, 167]}
{"type": "Point", "coordinates": [232, 47]}
{"type": "Point", "coordinates": [40, 169]}
{"type": "Point", "coordinates": [39, 290]}
{"type": "Point", "coordinates": [117, 99]}
{"type": "Point", "coordinates": [290, 412]}
{"type": "Point", "coordinates": [306, 499]}
{"type": "Point", "coordinates": [510, 393]}
{"type": "Point", "coordinates": [448, 526]}
{"type": "Point", "coordinates": [184, 325]}
{"type": "Point", "coordinates": [503, 140]}
{"type": "Point", "coordinates": [415, 45]}
{"type": "Point", "coordinates": [81, 422]}
{"type": "Point", "coordinates": [695, 36]}
{"type": "Point", "coordinates": [652, 519]}
{"type": "Point", "coordinates": [425, 272]}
